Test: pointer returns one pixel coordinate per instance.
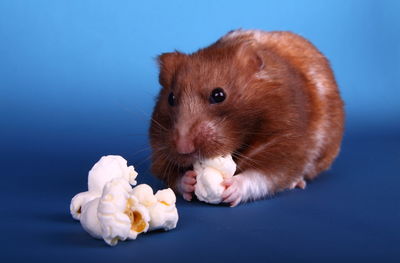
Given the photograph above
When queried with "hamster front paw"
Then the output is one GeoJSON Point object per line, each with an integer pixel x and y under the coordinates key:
{"type": "Point", "coordinates": [301, 183]}
{"type": "Point", "coordinates": [233, 191]}
{"type": "Point", "coordinates": [186, 185]}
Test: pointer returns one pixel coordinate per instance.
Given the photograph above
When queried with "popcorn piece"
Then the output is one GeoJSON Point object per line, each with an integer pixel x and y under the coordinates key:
{"type": "Point", "coordinates": [89, 219]}
{"type": "Point", "coordinates": [113, 211]}
{"type": "Point", "coordinates": [210, 175]}
{"type": "Point", "coordinates": [144, 193]}
{"type": "Point", "coordinates": [120, 214]}
{"type": "Point", "coordinates": [161, 206]}
{"type": "Point", "coordinates": [106, 169]}
{"type": "Point", "coordinates": [224, 164]}
{"type": "Point", "coordinates": [78, 201]}
{"type": "Point", "coordinates": [164, 214]}
{"type": "Point", "coordinates": [166, 196]}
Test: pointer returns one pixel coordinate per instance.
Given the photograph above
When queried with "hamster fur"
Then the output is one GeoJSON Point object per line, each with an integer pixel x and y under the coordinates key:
{"type": "Point", "coordinates": [282, 118]}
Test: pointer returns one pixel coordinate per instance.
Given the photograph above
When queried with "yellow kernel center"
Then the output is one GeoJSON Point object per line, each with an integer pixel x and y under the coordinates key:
{"type": "Point", "coordinates": [137, 223]}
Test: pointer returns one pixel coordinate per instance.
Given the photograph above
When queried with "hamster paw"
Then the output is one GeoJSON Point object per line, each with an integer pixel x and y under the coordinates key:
{"type": "Point", "coordinates": [299, 184]}
{"type": "Point", "coordinates": [186, 185]}
{"type": "Point", "coordinates": [233, 192]}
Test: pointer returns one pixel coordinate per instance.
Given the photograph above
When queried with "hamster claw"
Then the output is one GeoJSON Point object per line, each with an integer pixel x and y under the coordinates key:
{"type": "Point", "coordinates": [187, 196]}
{"type": "Point", "coordinates": [299, 184]}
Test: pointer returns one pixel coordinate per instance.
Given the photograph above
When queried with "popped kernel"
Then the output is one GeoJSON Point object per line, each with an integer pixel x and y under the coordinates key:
{"type": "Point", "coordinates": [106, 169]}
{"type": "Point", "coordinates": [210, 175]}
{"type": "Point", "coordinates": [161, 206]}
{"type": "Point", "coordinates": [117, 212]}
{"type": "Point", "coordinates": [164, 214]}
{"type": "Point", "coordinates": [122, 217]}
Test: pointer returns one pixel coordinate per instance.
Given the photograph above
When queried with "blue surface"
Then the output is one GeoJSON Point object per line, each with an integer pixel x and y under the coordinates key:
{"type": "Point", "coordinates": [77, 81]}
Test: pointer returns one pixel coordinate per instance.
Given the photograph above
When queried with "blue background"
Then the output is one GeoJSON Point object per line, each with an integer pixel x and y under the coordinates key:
{"type": "Point", "coordinates": [78, 81]}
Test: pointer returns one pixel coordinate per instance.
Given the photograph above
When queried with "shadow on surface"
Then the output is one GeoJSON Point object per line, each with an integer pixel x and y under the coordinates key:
{"type": "Point", "coordinates": [55, 217]}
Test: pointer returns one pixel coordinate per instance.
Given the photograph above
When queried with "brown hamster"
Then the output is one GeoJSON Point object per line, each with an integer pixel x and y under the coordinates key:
{"type": "Point", "coordinates": [268, 98]}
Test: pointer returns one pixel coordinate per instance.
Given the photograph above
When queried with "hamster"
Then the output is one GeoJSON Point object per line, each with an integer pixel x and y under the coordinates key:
{"type": "Point", "coordinates": [269, 99]}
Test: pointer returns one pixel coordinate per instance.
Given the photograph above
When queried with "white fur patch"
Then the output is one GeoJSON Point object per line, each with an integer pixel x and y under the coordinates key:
{"type": "Point", "coordinates": [319, 80]}
{"type": "Point", "coordinates": [257, 35]}
{"type": "Point", "coordinates": [322, 86]}
{"type": "Point", "coordinates": [320, 133]}
{"type": "Point", "coordinates": [319, 137]}
{"type": "Point", "coordinates": [254, 185]}
{"type": "Point", "coordinates": [262, 75]}
{"type": "Point", "coordinates": [234, 34]}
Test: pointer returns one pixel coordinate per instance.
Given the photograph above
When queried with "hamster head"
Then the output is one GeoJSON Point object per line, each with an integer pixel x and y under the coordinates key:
{"type": "Point", "coordinates": [207, 101]}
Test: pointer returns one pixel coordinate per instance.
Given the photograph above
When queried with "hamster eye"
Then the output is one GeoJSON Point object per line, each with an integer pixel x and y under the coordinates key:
{"type": "Point", "coordinates": [171, 99]}
{"type": "Point", "coordinates": [217, 96]}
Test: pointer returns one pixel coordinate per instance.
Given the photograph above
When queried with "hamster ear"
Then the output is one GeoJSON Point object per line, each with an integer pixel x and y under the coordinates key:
{"type": "Point", "coordinates": [250, 58]}
{"type": "Point", "coordinates": [168, 63]}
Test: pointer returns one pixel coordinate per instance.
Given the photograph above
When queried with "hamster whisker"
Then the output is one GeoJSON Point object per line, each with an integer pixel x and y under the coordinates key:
{"type": "Point", "coordinates": [256, 133]}
{"type": "Point", "coordinates": [162, 157]}
{"type": "Point", "coordinates": [138, 134]}
{"type": "Point", "coordinates": [219, 145]}
{"type": "Point", "coordinates": [140, 150]}
{"type": "Point", "coordinates": [151, 118]}
{"type": "Point", "coordinates": [239, 159]}
{"type": "Point", "coordinates": [144, 160]}
{"type": "Point", "coordinates": [248, 160]}
{"type": "Point", "coordinates": [151, 154]}
{"type": "Point", "coordinates": [158, 124]}
{"type": "Point", "coordinates": [170, 167]}
{"type": "Point", "coordinates": [228, 138]}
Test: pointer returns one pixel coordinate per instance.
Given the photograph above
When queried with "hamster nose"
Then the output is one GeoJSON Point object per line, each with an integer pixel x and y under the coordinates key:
{"type": "Point", "coordinates": [184, 145]}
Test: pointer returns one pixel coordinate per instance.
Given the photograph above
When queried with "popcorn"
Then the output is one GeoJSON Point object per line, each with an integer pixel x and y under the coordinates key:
{"type": "Point", "coordinates": [164, 214]}
{"type": "Point", "coordinates": [120, 214]}
{"type": "Point", "coordinates": [161, 206]}
{"type": "Point", "coordinates": [210, 175]}
{"type": "Point", "coordinates": [116, 215]}
{"type": "Point", "coordinates": [78, 201]}
{"type": "Point", "coordinates": [89, 219]}
{"type": "Point", "coordinates": [166, 196]}
{"type": "Point", "coordinates": [144, 193]}
{"type": "Point", "coordinates": [113, 211]}
{"type": "Point", "coordinates": [107, 168]}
